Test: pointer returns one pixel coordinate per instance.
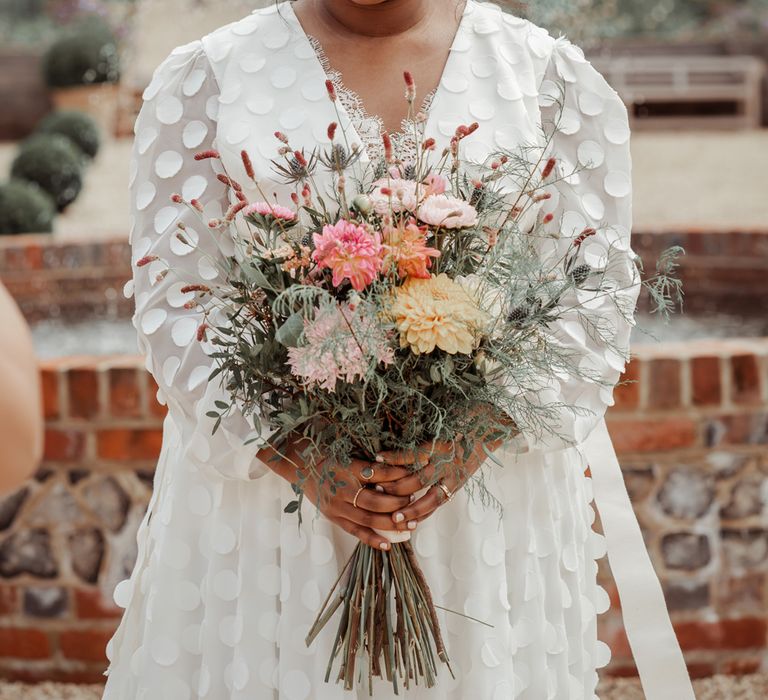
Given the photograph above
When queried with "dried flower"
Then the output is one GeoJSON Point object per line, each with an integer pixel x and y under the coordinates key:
{"type": "Point", "coordinates": [141, 262]}
{"type": "Point", "coordinates": [332, 130]}
{"type": "Point", "coordinates": [340, 343]}
{"type": "Point", "coordinates": [387, 140]}
{"type": "Point", "coordinates": [267, 210]}
{"type": "Point", "coordinates": [234, 209]}
{"type": "Point", "coordinates": [331, 90]}
{"type": "Point", "coordinates": [410, 86]}
{"type": "Point", "coordinates": [280, 136]}
{"type": "Point", "coordinates": [204, 155]}
{"type": "Point", "coordinates": [247, 164]}
{"type": "Point", "coordinates": [548, 168]}
{"type": "Point", "coordinates": [177, 198]}
{"type": "Point", "coordinates": [394, 195]}
{"type": "Point", "coordinates": [428, 145]}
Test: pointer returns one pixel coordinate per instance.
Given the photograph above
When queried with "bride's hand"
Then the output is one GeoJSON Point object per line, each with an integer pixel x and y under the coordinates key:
{"type": "Point", "coordinates": [364, 480]}
{"type": "Point", "coordinates": [443, 459]}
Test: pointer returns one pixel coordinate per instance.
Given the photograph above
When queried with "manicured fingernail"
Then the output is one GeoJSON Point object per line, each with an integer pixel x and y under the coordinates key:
{"type": "Point", "coordinates": [399, 517]}
{"type": "Point", "coordinates": [412, 525]}
{"type": "Point", "coordinates": [379, 459]}
{"type": "Point", "coordinates": [384, 545]}
{"type": "Point", "coordinates": [379, 488]}
{"type": "Point", "coordinates": [412, 497]}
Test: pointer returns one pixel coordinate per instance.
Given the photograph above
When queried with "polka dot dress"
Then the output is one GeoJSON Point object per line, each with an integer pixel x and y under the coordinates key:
{"type": "Point", "coordinates": [225, 584]}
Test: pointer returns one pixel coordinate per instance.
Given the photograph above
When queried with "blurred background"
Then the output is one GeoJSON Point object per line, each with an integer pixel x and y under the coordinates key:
{"type": "Point", "coordinates": [690, 422]}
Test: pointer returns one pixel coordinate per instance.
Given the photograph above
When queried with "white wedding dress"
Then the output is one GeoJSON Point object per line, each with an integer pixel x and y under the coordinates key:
{"type": "Point", "coordinates": [225, 585]}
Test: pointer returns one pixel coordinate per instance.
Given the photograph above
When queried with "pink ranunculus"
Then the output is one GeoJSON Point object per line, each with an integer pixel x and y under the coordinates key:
{"type": "Point", "coordinates": [267, 209]}
{"type": "Point", "coordinates": [350, 251]}
{"type": "Point", "coordinates": [436, 184]}
{"type": "Point", "coordinates": [447, 212]}
{"type": "Point", "coordinates": [401, 196]}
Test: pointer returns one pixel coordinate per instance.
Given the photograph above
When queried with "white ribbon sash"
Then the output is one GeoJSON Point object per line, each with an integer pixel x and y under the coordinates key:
{"type": "Point", "coordinates": [657, 653]}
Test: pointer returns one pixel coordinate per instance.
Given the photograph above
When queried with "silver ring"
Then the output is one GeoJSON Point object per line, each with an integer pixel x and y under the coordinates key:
{"type": "Point", "coordinates": [354, 500]}
{"type": "Point", "coordinates": [446, 490]}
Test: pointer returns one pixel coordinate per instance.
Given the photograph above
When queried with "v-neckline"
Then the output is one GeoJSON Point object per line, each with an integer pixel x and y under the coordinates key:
{"type": "Point", "coordinates": [436, 91]}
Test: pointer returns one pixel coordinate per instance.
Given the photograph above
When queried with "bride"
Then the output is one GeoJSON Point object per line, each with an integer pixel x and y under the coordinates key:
{"type": "Point", "coordinates": [225, 585]}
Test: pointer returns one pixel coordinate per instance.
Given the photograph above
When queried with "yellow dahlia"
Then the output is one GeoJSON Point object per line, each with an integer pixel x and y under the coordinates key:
{"type": "Point", "coordinates": [436, 312]}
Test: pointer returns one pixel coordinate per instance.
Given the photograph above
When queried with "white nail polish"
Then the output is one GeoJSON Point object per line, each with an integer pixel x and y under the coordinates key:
{"type": "Point", "coordinates": [379, 459]}
{"type": "Point", "coordinates": [384, 545]}
{"type": "Point", "coordinates": [379, 488]}
{"type": "Point", "coordinates": [399, 517]}
{"type": "Point", "coordinates": [412, 497]}
{"type": "Point", "coordinates": [412, 525]}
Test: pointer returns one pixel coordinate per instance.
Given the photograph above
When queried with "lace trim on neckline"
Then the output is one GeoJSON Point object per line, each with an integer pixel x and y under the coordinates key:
{"type": "Point", "coordinates": [371, 126]}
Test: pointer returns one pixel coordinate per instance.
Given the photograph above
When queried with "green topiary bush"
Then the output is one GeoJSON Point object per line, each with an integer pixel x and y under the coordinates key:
{"type": "Point", "coordinates": [86, 56]}
{"type": "Point", "coordinates": [54, 163]}
{"type": "Point", "coordinates": [76, 126]}
{"type": "Point", "coordinates": [25, 208]}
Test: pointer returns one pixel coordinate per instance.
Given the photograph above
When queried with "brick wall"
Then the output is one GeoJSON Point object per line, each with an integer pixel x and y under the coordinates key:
{"type": "Point", "coordinates": [691, 430]}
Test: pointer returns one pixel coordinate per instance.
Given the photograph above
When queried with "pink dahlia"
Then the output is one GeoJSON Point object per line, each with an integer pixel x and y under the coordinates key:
{"type": "Point", "coordinates": [267, 209]}
{"type": "Point", "coordinates": [350, 251]}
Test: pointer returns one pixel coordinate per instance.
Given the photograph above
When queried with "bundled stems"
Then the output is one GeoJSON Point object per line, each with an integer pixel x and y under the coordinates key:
{"type": "Point", "coordinates": [388, 618]}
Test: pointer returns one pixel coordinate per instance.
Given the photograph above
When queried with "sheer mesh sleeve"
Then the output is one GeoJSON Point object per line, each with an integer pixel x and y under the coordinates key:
{"type": "Point", "coordinates": [591, 189]}
{"type": "Point", "coordinates": [176, 121]}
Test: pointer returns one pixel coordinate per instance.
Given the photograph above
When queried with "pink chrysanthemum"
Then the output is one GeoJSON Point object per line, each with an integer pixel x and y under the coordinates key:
{"type": "Point", "coordinates": [350, 251]}
{"type": "Point", "coordinates": [267, 209]}
{"type": "Point", "coordinates": [340, 344]}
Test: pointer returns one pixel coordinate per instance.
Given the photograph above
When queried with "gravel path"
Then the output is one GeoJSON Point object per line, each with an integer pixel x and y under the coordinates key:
{"type": "Point", "coordinates": [716, 688]}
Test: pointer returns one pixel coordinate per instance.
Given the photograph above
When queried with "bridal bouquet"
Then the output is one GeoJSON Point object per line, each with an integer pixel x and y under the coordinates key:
{"type": "Point", "coordinates": [406, 304]}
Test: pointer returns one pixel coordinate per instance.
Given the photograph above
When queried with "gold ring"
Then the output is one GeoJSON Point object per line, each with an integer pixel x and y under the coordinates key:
{"type": "Point", "coordinates": [354, 500]}
{"type": "Point", "coordinates": [366, 473]}
{"type": "Point", "coordinates": [446, 490]}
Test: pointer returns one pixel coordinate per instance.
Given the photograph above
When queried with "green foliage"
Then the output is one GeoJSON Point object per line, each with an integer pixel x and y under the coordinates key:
{"type": "Point", "coordinates": [589, 22]}
{"type": "Point", "coordinates": [86, 55]}
{"type": "Point", "coordinates": [76, 126]}
{"type": "Point", "coordinates": [54, 163]}
{"type": "Point", "coordinates": [25, 208]}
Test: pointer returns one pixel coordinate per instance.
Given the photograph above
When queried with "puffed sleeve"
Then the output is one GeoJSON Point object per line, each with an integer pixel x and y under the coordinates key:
{"type": "Point", "coordinates": [176, 121]}
{"type": "Point", "coordinates": [591, 189]}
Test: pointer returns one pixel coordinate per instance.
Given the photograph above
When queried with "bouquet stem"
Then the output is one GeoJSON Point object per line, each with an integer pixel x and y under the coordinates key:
{"type": "Point", "coordinates": [388, 618]}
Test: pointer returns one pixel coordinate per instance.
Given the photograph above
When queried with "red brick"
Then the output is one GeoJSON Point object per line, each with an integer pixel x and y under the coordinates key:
{"type": "Point", "coordinates": [83, 389]}
{"type": "Point", "coordinates": [745, 379]}
{"type": "Point", "coordinates": [652, 435]}
{"type": "Point", "coordinates": [86, 645]}
{"type": "Point", "coordinates": [741, 633]}
{"type": "Point", "coordinates": [700, 669]}
{"type": "Point", "coordinates": [627, 396]}
{"type": "Point", "coordinates": [705, 381]}
{"type": "Point", "coordinates": [664, 383]}
{"type": "Point", "coordinates": [63, 445]}
{"type": "Point", "coordinates": [9, 600]}
{"type": "Point", "coordinates": [124, 393]}
{"type": "Point", "coordinates": [740, 667]}
{"type": "Point", "coordinates": [49, 381]}
{"type": "Point", "coordinates": [155, 407]}
{"type": "Point", "coordinates": [91, 603]}
{"type": "Point", "coordinates": [51, 674]}
{"type": "Point", "coordinates": [24, 643]}
{"type": "Point", "coordinates": [125, 444]}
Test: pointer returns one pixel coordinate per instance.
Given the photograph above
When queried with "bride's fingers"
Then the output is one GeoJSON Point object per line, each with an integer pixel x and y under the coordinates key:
{"type": "Point", "coordinates": [421, 508]}
{"type": "Point", "coordinates": [367, 518]}
{"type": "Point", "coordinates": [377, 502]}
{"type": "Point", "coordinates": [364, 534]}
{"type": "Point", "coordinates": [418, 457]}
{"type": "Point", "coordinates": [412, 483]}
{"type": "Point", "coordinates": [379, 473]}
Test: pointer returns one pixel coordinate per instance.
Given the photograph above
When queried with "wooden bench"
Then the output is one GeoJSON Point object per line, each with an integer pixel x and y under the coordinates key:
{"type": "Point", "coordinates": [683, 91]}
